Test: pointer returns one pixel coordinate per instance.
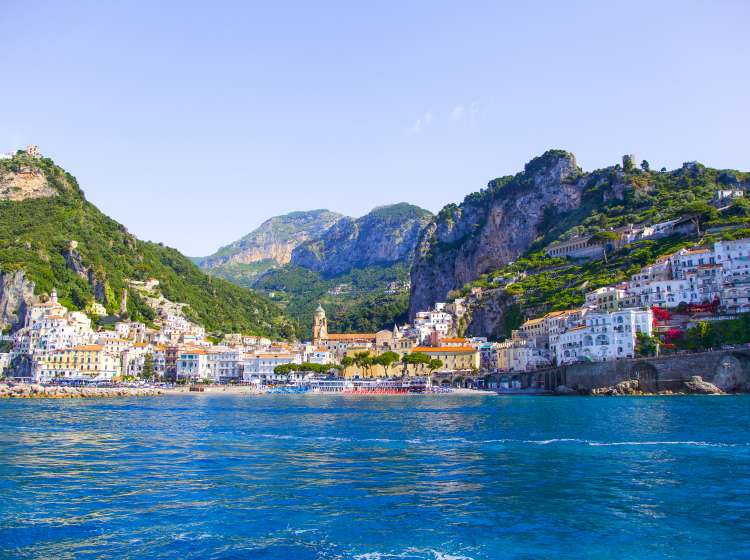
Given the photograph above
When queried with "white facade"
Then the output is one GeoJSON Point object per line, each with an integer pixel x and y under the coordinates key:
{"type": "Point", "coordinates": [224, 364]}
{"type": "Point", "coordinates": [735, 297]}
{"type": "Point", "coordinates": [605, 336]}
{"type": "Point", "coordinates": [318, 355]}
{"type": "Point", "coordinates": [520, 354]}
{"type": "Point", "coordinates": [433, 324]}
{"type": "Point", "coordinates": [193, 365]}
{"type": "Point", "coordinates": [686, 261]}
{"type": "Point", "coordinates": [734, 256]}
{"type": "Point", "coordinates": [607, 298]}
{"type": "Point", "coordinates": [258, 368]}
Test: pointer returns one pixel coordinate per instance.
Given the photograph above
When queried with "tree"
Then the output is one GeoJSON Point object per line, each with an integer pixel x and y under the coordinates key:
{"type": "Point", "coordinates": [646, 345]}
{"type": "Point", "coordinates": [417, 359]}
{"type": "Point", "coordinates": [363, 360]}
{"type": "Point", "coordinates": [698, 212]}
{"type": "Point", "coordinates": [628, 163]}
{"type": "Point", "coordinates": [148, 366]}
{"type": "Point", "coordinates": [347, 361]}
{"type": "Point", "coordinates": [605, 238]}
{"type": "Point", "coordinates": [386, 359]}
{"type": "Point", "coordinates": [434, 364]}
{"type": "Point", "coordinates": [645, 165]}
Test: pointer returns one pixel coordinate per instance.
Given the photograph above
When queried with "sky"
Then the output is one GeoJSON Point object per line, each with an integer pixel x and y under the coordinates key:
{"type": "Point", "coordinates": [193, 122]}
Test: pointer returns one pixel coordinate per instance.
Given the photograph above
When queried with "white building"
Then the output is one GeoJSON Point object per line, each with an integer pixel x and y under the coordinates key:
{"type": "Point", "coordinates": [224, 364]}
{"type": "Point", "coordinates": [521, 354]}
{"type": "Point", "coordinates": [604, 336]}
{"type": "Point", "coordinates": [607, 298]}
{"type": "Point", "coordinates": [734, 257]}
{"type": "Point", "coordinates": [317, 355]}
{"type": "Point", "coordinates": [192, 364]}
{"type": "Point", "coordinates": [433, 325]}
{"type": "Point", "coordinates": [735, 297]}
{"type": "Point", "coordinates": [686, 261]}
{"type": "Point", "coordinates": [258, 367]}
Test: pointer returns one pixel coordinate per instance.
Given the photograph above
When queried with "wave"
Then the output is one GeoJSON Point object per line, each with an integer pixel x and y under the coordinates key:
{"type": "Point", "coordinates": [412, 553]}
{"type": "Point", "coordinates": [465, 441]}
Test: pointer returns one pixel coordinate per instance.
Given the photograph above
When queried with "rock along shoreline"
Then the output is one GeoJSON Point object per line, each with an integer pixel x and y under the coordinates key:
{"type": "Point", "coordinates": [34, 391]}
{"type": "Point", "coordinates": [696, 386]}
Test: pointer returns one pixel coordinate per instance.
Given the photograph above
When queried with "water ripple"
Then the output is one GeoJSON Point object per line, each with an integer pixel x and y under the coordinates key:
{"type": "Point", "coordinates": [326, 478]}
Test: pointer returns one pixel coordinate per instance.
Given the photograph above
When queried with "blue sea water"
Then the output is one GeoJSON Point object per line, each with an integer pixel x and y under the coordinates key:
{"type": "Point", "coordinates": [374, 478]}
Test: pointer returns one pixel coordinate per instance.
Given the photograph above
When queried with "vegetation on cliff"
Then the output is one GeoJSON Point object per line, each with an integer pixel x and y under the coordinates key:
{"type": "Point", "coordinates": [364, 300]}
{"type": "Point", "coordinates": [268, 246]}
{"type": "Point", "coordinates": [385, 236]}
{"type": "Point", "coordinates": [36, 236]}
{"type": "Point", "coordinates": [610, 198]}
{"type": "Point", "coordinates": [358, 268]}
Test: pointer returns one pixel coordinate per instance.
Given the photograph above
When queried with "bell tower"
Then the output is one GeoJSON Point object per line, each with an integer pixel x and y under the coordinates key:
{"type": "Point", "coordinates": [320, 325]}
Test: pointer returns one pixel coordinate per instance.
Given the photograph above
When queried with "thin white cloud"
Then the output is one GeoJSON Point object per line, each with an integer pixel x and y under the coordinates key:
{"type": "Point", "coordinates": [458, 112]}
{"type": "Point", "coordinates": [421, 123]}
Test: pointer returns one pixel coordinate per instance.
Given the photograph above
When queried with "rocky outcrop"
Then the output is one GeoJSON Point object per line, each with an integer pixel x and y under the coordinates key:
{"type": "Point", "coordinates": [24, 184]}
{"type": "Point", "coordinates": [565, 390]}
{"type": "Point", "coordinates": [34, 391]}
{"type": "Point", "coordinates": [492, 227]}
{"type": "Point", "coordinates": [274, 240]}
{"type": "Point", "coordinates": [16, 294]}
{"type": "Point", "coordinates": [74, 260]}
{"type": "Point", "coordinates": [385, 236]}
{"type": "Point", "coordinates": [696, 385]}
{"type": "Point", "coordinates": [487, 314]}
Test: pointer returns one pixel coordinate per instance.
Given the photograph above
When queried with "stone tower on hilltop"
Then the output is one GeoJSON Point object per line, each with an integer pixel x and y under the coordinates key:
{"type": "Point", "coordinates": [320, 325]}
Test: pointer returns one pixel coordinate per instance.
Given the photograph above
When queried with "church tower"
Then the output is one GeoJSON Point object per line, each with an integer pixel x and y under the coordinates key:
{"type": "Point", "coordinates": [320, 325]}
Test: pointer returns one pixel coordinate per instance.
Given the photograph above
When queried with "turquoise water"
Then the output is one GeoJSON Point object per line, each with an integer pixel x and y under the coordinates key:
{"type": "Point", "coordinates": [412, 477]}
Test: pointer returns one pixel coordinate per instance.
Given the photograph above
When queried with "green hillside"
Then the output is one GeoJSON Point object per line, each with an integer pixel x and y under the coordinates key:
{"type": "Point", "coordinates": [535, 283]}
{"type": "Point", "coordinates": [362, 303]}
{"type": "Point", "coordinates": [36, 235]}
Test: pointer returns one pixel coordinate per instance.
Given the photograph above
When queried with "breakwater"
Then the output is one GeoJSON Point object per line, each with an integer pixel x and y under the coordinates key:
{"type": "Point", "coordinates": [34, 391]}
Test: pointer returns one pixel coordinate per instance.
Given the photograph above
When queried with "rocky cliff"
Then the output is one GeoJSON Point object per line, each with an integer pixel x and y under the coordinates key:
{"type": "Point", "coordinates": [21, 182]}
{"type": "Point", "coordinates": [16, 294]}
{"type": "Point", "coordinates": [274, 239]}
{"type": "Point", "coordinates": [386, 236]}
{"type": "Point", "coordinates": [493, 227]}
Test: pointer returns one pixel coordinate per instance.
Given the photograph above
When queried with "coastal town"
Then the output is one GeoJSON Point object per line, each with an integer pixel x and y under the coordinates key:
{"type": "Point", "coordinates": [618, 322]}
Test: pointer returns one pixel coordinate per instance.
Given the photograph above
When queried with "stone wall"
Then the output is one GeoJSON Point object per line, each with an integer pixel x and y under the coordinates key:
{"type": "Point", "coordinates": [729, 370]}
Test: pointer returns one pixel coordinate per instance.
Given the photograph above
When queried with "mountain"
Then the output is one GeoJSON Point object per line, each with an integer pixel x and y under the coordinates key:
{"type": "Point", "coordinates": [52, 237]}
{"type": "Point", "coordinates": [268, 246]}
{"type": "Point", "coordinates": [492, 227]}
{"type": "Point", "coordinates": [358, 269]}
{"type": "Point", "coordinates": [494, 239]}
{"type": "Point", "coordinates": [387, 235]}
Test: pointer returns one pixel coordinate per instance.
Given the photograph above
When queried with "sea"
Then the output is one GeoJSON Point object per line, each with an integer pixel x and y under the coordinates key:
{"type": "Point", "coordinates": [443, 477]}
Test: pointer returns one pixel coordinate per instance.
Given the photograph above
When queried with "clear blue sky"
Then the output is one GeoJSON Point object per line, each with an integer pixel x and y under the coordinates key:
{"type": "Point", "coordinates": [192, 122]}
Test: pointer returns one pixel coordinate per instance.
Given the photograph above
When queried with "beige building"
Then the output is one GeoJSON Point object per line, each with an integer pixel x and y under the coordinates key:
{"type": "Point", "coordinates": [86, 361]}
{"type": "Point", "coordinates": [454, 358]}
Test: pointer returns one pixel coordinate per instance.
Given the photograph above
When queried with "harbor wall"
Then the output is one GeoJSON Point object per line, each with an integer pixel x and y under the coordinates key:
{"type": "Point", "coordinates": [729, 370]}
